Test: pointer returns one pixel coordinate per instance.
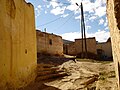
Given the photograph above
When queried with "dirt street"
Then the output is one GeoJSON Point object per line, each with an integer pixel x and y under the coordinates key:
{"type": "Point", "coordinates": [86, 75]}
{"type": "Point", "coordinates": [83, 75]}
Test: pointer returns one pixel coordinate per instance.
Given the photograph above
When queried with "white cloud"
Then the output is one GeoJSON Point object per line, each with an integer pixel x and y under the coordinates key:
{"type": "Point", "coordinates": [58, 10]}
{"type": "Point", "coordinates": [100, 35]}
{"type": "Point", "coordinates": [106, 22]}
{"type": "Point", "coordinates": [39, 6]}
{"type": "Point", "coordinates": [100, 3]}
{"type": "Point", "coordinates": [92, 18]}
{"type": "Point", "coordinates": [106, 28]}
{"type": "Point", "coordinates": [72, 7]}
{"type": "Point", "coordinates": [71, 36]}
{"type": "Point", "coordinates": [38, 10]}
{"type": "Point", "coordinates": [78, 17]}
{"type": "Point", "coordinates": [87, 5]}
{"type": "Point", "coordinates": [97, 8]}
{"type": "Point", "coordinates": [101, 21]}
{"type": "Point", "coordinates": [100, 11]}
{"type": "Point", "coordinates": [54, 5]}
{"type": "Point", "coordinates": [64, 15]}
{"type": "Point", "coordinates": [45, 12]}
{"type": "Point", "coordinates": [48, 6]}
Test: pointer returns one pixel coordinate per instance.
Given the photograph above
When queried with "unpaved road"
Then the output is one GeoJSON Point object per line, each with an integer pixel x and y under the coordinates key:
{"type": "Point", "coordinates": [86, 75]}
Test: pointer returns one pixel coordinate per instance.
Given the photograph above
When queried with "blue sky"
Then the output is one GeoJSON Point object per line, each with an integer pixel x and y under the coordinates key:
{"type": "Point", "coordinates": [62, 17]}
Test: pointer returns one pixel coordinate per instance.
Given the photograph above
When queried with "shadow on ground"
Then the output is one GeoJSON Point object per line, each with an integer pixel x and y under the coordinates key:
{"type": "Point", "coordinates": [39, 86]}
{"type": "Point", "coordinates": [54, 60]}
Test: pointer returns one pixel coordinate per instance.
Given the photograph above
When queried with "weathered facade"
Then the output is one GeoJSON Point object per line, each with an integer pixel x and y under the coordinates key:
{"type": "Point", "coordinates": [65, 45]}
{"type": "Point", "coordinates": [17, 44]}
{"type": "Point", "coordinates": [113, 14]}
{"type": "Point", "coordinates": [91, 45]}
{"type": "Point", "coordinates": [49, 43]}
{"type": "Point", "coordinates": [104, 50]}
{"type": "Point", "coordinates": [71, 49]}
{"type": "Point", "coordinates": [75, 48]}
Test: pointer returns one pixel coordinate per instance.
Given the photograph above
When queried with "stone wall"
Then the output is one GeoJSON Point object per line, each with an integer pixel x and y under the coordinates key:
{"type": "Point", "coordinates": [17, 44]}
{"type": "Point", "coordinates": [49, 43]}
{"type": "Point", "coordinates": [113, 14]}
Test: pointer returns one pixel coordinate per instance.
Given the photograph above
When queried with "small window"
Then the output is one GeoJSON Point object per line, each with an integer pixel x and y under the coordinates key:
{"type": "Point", "coordinates": [50, 41]}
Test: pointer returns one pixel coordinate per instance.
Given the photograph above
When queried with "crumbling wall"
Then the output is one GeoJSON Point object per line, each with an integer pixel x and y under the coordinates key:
{"type": "Point", "coordinates": [113, 14]}
{"type": "Point", "coordinates": [17, 44]}
{"type": "Point", "coordinates": [49, 43]}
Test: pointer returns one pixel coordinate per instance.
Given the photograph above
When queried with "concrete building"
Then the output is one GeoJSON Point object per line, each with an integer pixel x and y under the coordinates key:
{"type": "Point", "coordinates": [49, 43]}
{"type": "Point", "coordinates": [17, 44]}
{"type": "Point", "coordinates": [104, 50]}
{"type": "Point", "coordinates": [113, 14]}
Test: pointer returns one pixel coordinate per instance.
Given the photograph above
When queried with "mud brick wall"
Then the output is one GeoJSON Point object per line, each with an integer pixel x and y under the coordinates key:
{"type": "Point", "coordinates": [75, 48]}
{"type": "Point", "coordinates": [49, 43]}
{"type": "Point", "coordinates": [91, 45]}
{"type": "Point", "coordinates": [71, 49]}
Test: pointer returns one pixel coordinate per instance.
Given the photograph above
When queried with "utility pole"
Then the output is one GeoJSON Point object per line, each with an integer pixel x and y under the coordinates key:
{"type": "Point", "coordinates": [83, 33]}
{"type": "Point", "coordinates": [83, 26]}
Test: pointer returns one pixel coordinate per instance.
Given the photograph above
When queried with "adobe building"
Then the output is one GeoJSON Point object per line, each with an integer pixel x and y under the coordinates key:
{"type": "Point", "coordinates": [49, 43]}
{"type": "Point", "coordinates": [75, 48]}
{"type": "Point", "coordinates": [17, 44]}
{"type": "Point", "coordinates": [91, 45]}
{"type": "Point", "coordinates": [68, 47]}
{"type": "Point", "coordinates": [113, 14]}
{"type": "Point", "coordinates": [104, 50]}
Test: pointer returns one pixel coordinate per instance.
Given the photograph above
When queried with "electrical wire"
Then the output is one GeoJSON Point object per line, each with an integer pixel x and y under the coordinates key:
{"type": "Point", "coordinates": [65, 21]}
{"type": "Point", "coordinates": [49, 22]}
{"type": "Point", "coordinates": [56, 18]}
{"type": "Point", "coordinates": [59, 17]}
{"type": "Point", "coordinates": [53, 20]}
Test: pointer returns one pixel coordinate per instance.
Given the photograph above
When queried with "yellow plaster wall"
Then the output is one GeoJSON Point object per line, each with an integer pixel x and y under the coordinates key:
{"type": "Point", "coordinates": [17, 44]}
